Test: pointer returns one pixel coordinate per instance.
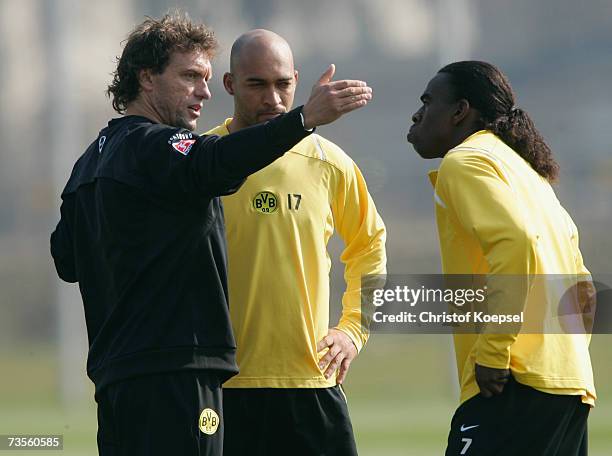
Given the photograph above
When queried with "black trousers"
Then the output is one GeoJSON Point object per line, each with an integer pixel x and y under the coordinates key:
{"type": "Point", "coordinates": [287, 421]}
{"type": "Point", "coordinates": [520, 421]}
{"type": "Point", "coordinates": [178, 413]}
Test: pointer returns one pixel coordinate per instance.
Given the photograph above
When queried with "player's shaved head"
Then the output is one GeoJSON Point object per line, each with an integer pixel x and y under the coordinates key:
{"type": "Point", "coordinates": [262, 78]}
{"type": "Point", "coordinates": [256, 43]}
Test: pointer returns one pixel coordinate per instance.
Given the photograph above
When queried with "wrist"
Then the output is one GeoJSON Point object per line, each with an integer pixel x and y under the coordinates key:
{"type": "Point", "coordinates": [349, 337]}
{"type": "Point", "coordinates": [308, 128]}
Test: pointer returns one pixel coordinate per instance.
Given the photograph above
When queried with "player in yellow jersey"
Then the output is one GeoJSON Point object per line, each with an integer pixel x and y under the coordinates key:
{"type": "Point", "coordinates": [286, 398]}
{"type": "Point", "coordinates": [497, 215]}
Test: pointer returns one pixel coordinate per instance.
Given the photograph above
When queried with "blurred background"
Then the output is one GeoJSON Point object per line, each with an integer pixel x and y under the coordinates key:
{"type": "Point", "coordinates": [57, 57]}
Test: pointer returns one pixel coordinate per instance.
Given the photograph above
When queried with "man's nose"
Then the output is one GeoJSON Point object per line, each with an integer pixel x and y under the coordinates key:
{"type": "Point", "coordinates": [202, 90]}
{"type": "Point", "coordinates": [271, 97]}
{"type": "Point", "coordinates": [416, 117]}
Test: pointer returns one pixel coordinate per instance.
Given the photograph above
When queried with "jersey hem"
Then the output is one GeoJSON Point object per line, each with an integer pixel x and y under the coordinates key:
{"type": "Point", "coordinates": [220, 360]}
{"type": "Point", "coordinates": [279, 382]}
{"type": "Point", "coordinates": [549, 385]}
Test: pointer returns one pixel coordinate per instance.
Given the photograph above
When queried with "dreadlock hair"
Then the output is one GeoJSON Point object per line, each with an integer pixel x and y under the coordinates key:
{"type": "Point", "coordinates": [488, 90]}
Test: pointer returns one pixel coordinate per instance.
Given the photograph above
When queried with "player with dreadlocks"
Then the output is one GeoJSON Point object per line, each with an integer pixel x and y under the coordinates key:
{"type": "Point", "coordinates": [497, 215]}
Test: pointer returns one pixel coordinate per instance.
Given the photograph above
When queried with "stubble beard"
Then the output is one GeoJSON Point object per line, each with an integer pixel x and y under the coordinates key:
{"type": "Point", "coordinates": [181, 122]}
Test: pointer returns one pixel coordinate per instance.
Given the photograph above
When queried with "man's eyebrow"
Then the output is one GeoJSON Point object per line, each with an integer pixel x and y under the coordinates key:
{"type": "Point", "coordinates": [198, 70]}
{"type": "Point", "coordinates": [256, 79]}
{"type": "Point", "coordinates": [425, 97]}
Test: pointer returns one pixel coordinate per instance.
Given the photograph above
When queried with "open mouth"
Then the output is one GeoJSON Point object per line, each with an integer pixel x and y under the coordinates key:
{"type": "Point", "coordinates": [195, 109]}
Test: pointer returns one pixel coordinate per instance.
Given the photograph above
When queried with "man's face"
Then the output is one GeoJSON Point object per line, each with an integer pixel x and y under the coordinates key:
{"type": "Point", "coordinates": [431, 133]}
{"type": "Point", "coordinates": [178, 93]}
{"type": "Point", "coordinates": [263, 86]}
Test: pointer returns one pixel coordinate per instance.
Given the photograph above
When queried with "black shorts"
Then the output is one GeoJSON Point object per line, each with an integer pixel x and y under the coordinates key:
{"type": "Point", "coordinates": [520, 421]}
{"type": "Point", "coordinates": [287, 421]}
{"type": "Point", "coordinates": [164, 414]}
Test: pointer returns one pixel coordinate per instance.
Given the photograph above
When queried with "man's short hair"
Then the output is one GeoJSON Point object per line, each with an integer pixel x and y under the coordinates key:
{"type": "Point", "coordinates": [149, 46]}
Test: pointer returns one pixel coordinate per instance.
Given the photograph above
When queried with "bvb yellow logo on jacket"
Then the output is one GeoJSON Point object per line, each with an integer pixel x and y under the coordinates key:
{"type": "Point", "coordinates": [265, 202]}
{"type": "Point", "coordinates": [209, 421]}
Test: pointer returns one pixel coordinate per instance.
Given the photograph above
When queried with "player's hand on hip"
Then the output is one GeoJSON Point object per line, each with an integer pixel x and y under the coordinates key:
{"type": "Point", "coordinates": [331, 99]}
{"type": "Point", "coordinates": [340, 353]}
{"type": "Point", "coordinates": [491, 381]}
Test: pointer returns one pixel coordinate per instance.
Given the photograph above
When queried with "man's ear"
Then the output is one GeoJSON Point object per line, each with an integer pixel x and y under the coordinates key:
{"type": "Point", "coordinates": [461, 112]}
{"type": "Point", "coordinates": [296, 75]}
{"type": "Point", "coordinates": [145, 79]}
{"type": "Point", "coordinates": [228, 83]}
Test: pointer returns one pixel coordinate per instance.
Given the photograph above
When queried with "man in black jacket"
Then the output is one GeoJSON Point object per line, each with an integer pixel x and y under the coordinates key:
{"type": "Point", "coordinates": [142, 231]}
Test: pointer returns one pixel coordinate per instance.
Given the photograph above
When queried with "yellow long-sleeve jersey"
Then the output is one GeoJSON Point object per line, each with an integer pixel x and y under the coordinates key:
{"type": "Point", "coordinates": [497, 216]}
{"type": "Point", "coordinates": [277, 227]}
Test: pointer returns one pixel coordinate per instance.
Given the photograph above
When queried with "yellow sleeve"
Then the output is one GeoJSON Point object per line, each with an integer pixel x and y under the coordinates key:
{"type": "Point", "coordinates": [581, 269]}
{"type": "Point", "coordinates": [363, 232]}
{"type": "Point", "coordinates": [586, 293]}
{"type": "Point", "coordinates": [485, 205]}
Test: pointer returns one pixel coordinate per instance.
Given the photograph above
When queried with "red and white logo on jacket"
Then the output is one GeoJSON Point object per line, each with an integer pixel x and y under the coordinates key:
{"type": "Point", "coordinates": [182, 142]}
{"type": "Point", "coordinates": [183, 145]}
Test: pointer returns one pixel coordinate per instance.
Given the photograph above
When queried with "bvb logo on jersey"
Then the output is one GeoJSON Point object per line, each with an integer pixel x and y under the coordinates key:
{"type": "Point", "coordinates": [265, 202]}
{"type": "Point", "coordinates": [209, 421]}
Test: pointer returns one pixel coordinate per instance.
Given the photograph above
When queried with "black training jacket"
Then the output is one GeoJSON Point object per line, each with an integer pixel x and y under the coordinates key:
{"type": "Point", "coordinates": [142, 232]}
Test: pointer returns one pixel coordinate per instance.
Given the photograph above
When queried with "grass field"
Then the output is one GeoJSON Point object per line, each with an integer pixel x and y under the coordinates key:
{"type": "Point", "coordinates": [401, 394]}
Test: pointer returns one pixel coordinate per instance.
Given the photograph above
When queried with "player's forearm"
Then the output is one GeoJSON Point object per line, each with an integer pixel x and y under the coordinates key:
{"type": "Point", "coordinates": [364, 268]}
{"type": "Point", "coordinates": [223, 162]}
{"type": "Point", "coordinates": [354, 320]}
{"type": "Point", "coordinates": [507, 295]}
{"type": "Point", "coordinates": [493, 350]}
{"type": "Point", "coordinates": [61, 245]}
